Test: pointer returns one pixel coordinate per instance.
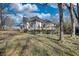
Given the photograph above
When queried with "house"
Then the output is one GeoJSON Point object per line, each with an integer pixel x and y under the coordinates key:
{"type": "Point", "coordinates": [35, 23]}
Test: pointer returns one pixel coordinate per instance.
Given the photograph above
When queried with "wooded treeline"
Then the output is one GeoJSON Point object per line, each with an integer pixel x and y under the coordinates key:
{"type": "Point", "coordinates": [73, 15]}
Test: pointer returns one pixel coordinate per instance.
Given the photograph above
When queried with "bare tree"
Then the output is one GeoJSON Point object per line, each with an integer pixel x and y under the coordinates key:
{"type": "Point", "coordinates": [72, 16]}
{"type": "Point", "coordinates": [9, 21]}
{"type": "Point", "coordinates": [72, 19]}
{"type": "Point", "coordinates": [78, 12]}
{"type": "Point", "coordinates": [60, 6]}
{"type": "Point", "coordinates": [1, 11]}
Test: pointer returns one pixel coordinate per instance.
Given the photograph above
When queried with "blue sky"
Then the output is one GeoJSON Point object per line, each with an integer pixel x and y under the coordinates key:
{"type": "Point", "coordinates": [43, 11]}
{"type": "Point", "coordinates": [37, 8]}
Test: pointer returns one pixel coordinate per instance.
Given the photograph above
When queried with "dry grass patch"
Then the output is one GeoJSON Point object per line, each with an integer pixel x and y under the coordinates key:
{"type": "Point", "coordinates": [17, 43]}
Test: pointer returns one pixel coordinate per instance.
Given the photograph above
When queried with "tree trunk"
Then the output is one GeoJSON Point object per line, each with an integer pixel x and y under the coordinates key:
{"type": "Point", "coordinates": [0, 21]}
{"type": "Point", "coordinates": [1, 18]}
{"type": "Point", "coordinates": [78, 11]}
{"type": "Point", "coordinates": [78, 15]}
{"type": "Point", "coordinates": [72, 20]}
{"type": "Point", "coordinates": [77, 18]}
{"type": "Point", "coordinates": [60, 6]}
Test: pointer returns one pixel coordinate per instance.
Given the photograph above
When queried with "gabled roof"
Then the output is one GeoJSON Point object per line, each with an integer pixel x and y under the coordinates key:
{"type": "Point", "coordinates": [35, 18]}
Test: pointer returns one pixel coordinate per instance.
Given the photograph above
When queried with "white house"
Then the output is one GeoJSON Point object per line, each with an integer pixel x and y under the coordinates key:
{"type": "Point", "coordinates": [35, 23]}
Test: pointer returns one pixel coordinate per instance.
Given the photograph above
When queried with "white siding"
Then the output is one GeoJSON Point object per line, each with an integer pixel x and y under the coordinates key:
{"type": "Point", "coordinates": [27, 25]}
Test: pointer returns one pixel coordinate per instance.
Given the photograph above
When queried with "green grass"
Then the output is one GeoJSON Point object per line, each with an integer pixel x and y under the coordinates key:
{"type": "Point", "coordinates": [17, 43]}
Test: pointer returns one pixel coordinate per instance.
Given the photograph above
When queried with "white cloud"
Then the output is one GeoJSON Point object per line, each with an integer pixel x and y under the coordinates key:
{"type": "Point", "coordinates": [30, 7]}
{"type": "Point", "coordinates": [44, 16]}
{"type": "Point", "coordinates": [75, 4]}
{"type": "Point", "coordinates": [40, 15]}
{"type": "Point", "coordinates": [27, 10]}
{"type": "Point", "coordinates": [57, 15]}
{"type": "Point", "coordinates": [54, 5]}
{"type": "Point", "coordinates": [19, 15]}
{"type": "Point", "coordinates": [26, 7]}
{"type": "Point", "coordinates": [16, 6]}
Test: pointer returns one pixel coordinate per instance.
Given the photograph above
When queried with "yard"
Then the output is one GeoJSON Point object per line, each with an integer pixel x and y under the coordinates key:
{"type": "Point", "coordinates": [13, 43]}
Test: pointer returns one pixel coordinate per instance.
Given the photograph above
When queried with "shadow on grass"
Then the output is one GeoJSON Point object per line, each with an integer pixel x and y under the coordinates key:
{"type": "Point", "coordinates": [26, 47]}
{"type": "Point", "coordinates": [2, 51]}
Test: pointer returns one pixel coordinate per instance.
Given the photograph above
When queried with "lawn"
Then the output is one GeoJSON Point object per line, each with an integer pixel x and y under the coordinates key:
{"type": "Point", "coordinates": [13, 43]}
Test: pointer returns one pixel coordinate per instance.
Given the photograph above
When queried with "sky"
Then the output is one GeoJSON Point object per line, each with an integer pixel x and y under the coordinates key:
{"type": "Point", "coordinates": [42, 10]}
